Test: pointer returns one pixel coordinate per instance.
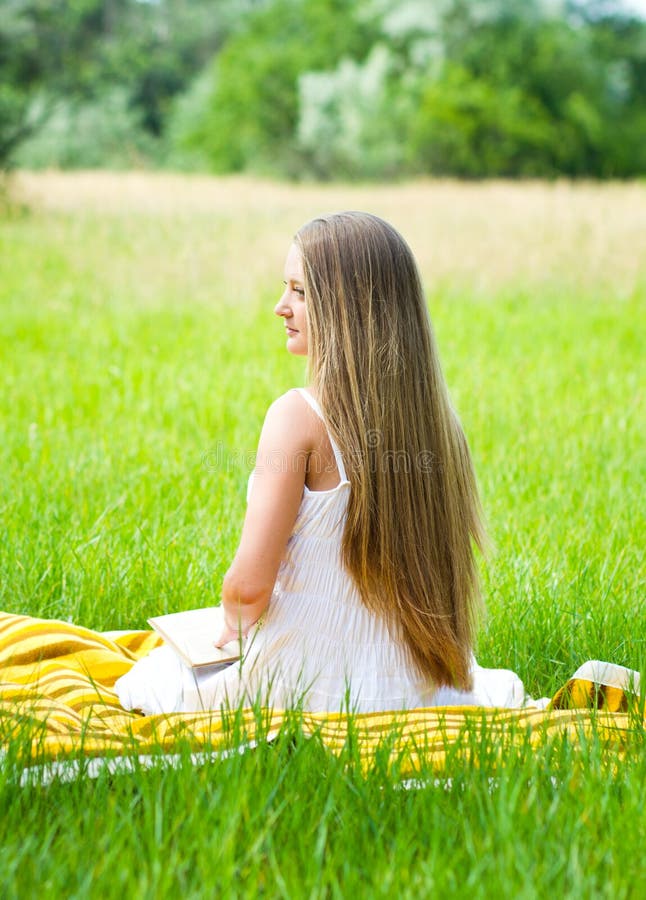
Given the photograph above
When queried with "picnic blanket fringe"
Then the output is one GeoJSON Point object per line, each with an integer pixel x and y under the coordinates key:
{"type": "Point", "coordinates": [57, 700]}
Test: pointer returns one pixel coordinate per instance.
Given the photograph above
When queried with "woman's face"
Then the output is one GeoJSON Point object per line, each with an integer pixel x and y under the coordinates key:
{"type": "Point", "coordinates": [291, 306]}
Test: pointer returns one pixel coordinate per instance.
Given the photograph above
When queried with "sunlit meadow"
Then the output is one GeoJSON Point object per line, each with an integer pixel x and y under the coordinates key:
{"type": "Point", "coordinates": [139, 354]}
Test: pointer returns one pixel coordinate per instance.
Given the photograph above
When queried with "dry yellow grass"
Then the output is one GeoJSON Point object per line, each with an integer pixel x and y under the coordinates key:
{"type": "Point", "coordinates": [482, 237]}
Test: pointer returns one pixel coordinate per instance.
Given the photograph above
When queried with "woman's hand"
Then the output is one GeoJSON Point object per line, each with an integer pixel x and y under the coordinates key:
{"type": "Point", "coordinates": [227, 635]}
{"type": "Point", "coordinates": [235, 630]}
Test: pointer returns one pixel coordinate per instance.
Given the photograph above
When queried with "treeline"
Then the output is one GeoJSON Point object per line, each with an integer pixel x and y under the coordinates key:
{"type": "Point", "coordinates": [326, 88]}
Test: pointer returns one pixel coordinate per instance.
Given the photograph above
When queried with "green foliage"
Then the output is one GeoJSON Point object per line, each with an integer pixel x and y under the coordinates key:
{"type": "Point", "coordinates": [472, 89]}
{"type": "Point", "coordinates": [534, 93]}
{"type": "Point", "coordinates": [346, 126]}
{"type": "Point", "coordinates": [185, 118]}
{"type": "Point", "coordinates": [90, 134]}
{"type": "Point", "coordinates": [464, 126]}
{"type": "Point", "coordinates": [252, 116]}
{"type": "Point", "coordinates": [61, 58]}
{"type": "Point", "coordinates": [332, 88]}
{"type": "Point", "coordinates": [14, 105]}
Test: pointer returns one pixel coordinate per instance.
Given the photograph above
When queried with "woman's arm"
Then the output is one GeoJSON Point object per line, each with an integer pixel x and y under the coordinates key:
{"type": "Point", "coordinates": [285, 442]}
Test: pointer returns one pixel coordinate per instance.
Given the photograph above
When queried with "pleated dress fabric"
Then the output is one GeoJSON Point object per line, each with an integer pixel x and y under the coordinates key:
{"type": "Point", "coordinates": [318, 647]}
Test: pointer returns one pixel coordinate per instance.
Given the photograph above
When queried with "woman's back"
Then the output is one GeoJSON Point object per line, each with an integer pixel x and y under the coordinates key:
{"type": "Point", "coordinates": [319, 643]}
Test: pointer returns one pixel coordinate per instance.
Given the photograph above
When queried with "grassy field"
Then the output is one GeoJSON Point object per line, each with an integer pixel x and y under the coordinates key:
{"type": "Point", "coordinates": [140, 352]}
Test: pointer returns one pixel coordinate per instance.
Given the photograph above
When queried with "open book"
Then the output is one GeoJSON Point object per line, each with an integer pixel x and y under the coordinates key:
{"type": "Point", "coordinates": [191, 634]}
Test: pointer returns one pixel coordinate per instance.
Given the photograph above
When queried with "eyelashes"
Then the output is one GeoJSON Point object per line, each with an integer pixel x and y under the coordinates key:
{"type": "Point", "coordinates": [300, 291]}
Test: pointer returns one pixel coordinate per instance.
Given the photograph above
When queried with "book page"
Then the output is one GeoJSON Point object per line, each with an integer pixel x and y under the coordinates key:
{"type": "Point", "coordinates": [191, 634]}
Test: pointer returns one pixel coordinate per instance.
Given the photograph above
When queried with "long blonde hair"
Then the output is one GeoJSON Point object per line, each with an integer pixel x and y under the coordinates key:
{"type": "Point", "coordinates": [414, 513]}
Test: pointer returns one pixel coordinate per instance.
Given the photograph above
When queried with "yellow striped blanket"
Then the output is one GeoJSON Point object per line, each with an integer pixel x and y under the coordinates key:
{"type": "Point", "coordinates": [57, 699]}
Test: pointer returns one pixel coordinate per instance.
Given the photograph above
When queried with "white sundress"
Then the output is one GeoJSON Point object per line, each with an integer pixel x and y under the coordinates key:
{"type": "Point", "coordinates": [318, 646]}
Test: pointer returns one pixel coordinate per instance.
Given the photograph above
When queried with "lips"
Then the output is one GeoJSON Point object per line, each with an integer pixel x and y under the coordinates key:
{"type": "Point", "coordinates": [290, 330]}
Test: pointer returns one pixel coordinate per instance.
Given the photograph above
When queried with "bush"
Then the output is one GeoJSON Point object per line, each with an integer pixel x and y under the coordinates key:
{"type": "Point", "coordinates": [465, 126]}
{"type": "Point", "coordinates": [184, 121]}
{"type": "Point", "coordinates": [345, 126]}
{"type": "Point", "coordinates": [251, 116]}
{"type": "Point", "coordinates": [104, 133]}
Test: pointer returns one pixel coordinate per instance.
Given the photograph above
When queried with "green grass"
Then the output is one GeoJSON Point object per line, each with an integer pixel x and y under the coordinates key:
{"type": "Point", "coordinates": [290, 820]}
{"type": "Point", "coordinates": [139, 356]}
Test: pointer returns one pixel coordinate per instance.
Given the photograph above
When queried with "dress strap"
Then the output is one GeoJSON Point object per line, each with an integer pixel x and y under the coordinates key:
{"type": "Point", "coordinates": [319, 412]}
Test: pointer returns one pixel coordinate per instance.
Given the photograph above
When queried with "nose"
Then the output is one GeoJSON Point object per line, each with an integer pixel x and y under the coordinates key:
{"type": "Point", "coordinates": [282, 308]}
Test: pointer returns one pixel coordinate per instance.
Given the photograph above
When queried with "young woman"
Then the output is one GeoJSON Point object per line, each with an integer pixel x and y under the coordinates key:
{"type": "Point", "coordinates": [355, 584]}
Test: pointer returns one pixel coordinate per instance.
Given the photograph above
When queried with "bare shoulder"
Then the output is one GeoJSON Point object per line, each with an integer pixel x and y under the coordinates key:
{"type": "Point", "coordinates": [291, 417]}
{"type": "Point", "coordinates": [291, 402]}
{"type": "Point", "coordinates": [292, 410]}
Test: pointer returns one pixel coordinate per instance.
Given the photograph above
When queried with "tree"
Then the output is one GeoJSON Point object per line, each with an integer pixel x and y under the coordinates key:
{"type": "Point", "coordinates": [78, 52]}
{"type": "Point", "coordinates": [530, 88]}
{"type": "Point", "coordinates": [252, 113]}
{"type": "Point", "coordinates": [42, 43]}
